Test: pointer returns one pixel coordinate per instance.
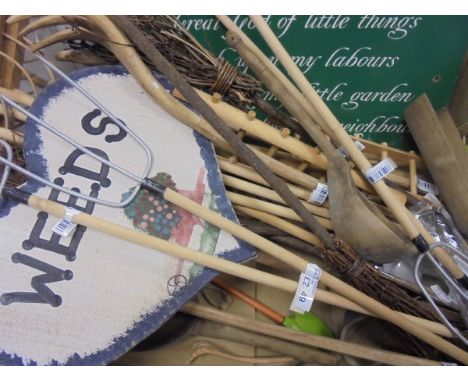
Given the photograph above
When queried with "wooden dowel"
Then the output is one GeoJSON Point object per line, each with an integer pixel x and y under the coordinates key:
{"type": "Point", "coordinates": [245, 172]}
{"type": "Point", "coordinates": [413, 186]}
{"type": "Point", "coordinates": [282, 224]}
{"type": "Point", "coordinates": [267, 193]}
{"type": "Point", "coordinates": [302, 166]}
{"type": "Point", "coordinates": [11, 136]}
{"type": "Point", "coordinates": [287, 172]}
{"type": "Point", "coordinates": [18, 96]}
{"type": "Point", "coordinates": [274, 209]}
{"type": "Point", "coordinates": [353, 349]}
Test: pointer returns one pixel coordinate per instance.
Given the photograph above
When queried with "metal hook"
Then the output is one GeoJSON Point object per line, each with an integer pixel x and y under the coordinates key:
{"type": "Point", "coordinates": [141, 180]}
{"type": "Point", "coordinates": [463, 294]}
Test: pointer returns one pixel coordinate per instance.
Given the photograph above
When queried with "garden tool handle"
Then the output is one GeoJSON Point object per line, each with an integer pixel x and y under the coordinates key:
{"type": "Point", "coordinates": [418, 234]}
{"type": "Point", "coordinates": [261, 307]}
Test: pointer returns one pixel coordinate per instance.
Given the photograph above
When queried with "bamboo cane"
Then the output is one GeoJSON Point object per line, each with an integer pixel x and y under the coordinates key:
{"type": "Point", "coordinates": [272, 208]}
{"type": "Point", "coordinates": [246, 172]}
{"type": "Point", "coordinates": [11, 136]}
{"type": "Point", "coordinates": [235, 269]}
{"type": "Point", "coordinates": [267, 193]}
{"type": "Point", "coordinates": [356, 350]}
{"type": "Point", "coordinates": [420, 237]}
{"type": "Point", "coordinates": [229, 24]}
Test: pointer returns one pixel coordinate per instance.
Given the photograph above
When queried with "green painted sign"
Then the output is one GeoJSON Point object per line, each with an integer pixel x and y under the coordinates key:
{"type": "Point", "coordinates": [367, 68]}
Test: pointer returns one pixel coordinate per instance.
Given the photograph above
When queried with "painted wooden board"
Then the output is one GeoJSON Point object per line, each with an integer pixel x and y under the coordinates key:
{"type": "Point", "coordinates": [88, 298]}
{"type": "Point", "coordinates": [367, 68]}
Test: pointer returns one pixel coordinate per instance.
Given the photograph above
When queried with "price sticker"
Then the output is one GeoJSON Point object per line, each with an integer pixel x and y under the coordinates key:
{"type": "Point", "coordinates": [306, 289]}
{"type": "Point", "coordinates": [319, 195]}
{"type": "Point", "coordinates": [426, 186]}
{"type": "Point", "coordinates": [343, 151]}
{"type": "Point", "coordinates": [65, 225]}
{"type": "Point", "coordinates": [380, 170]}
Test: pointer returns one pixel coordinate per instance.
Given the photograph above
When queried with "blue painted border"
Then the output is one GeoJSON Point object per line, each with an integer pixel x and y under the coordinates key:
{"type": "Point", "coordinates": [152, 320]}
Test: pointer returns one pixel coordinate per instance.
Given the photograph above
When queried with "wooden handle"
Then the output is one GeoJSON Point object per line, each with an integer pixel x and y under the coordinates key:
{"type": "Point", "coordinates": [169, 248]}
{"type": "Point", "coordinates": [267, 193]}
{"type": "Point", "coordinates": [272, 208]}
{"type": "Point", "coordinates": [413, 186]}
{"type": "Point", "coordinates": [247, 172]}
{"type": "Point", "coordinates": [11, 136]}
{"type": "Point", "coordinates": [261, 307]}
{"type": "Point", "coordinates": [247, 273]}
{"type": "Point", "coordinates": [415, 232]}
{"type": "Point", "coordinates": [353, 349]}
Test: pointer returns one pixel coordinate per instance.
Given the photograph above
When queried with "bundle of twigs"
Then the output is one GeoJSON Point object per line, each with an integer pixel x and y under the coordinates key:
{"type": "Point", "coordinates": [201, 68]}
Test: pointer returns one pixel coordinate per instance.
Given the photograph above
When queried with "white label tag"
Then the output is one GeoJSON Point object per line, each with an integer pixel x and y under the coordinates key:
{"type": "Point", "coordinates": [319, 195]}
{"type": "Point", "coordinates": [427, 187]}
{"type": "Point", "coordinates": [449, 364]}
{"type": "Point", "coordinates": [65, 225]}
{"type": "Point", "coordinates": [306, 288]}
{"type": "Point", "coordinates": [380, 170]}
{"type": "Point", "coordinates": [358, 144]}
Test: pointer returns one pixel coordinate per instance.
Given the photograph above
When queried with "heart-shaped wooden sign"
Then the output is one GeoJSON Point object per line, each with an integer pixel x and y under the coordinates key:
{"type": "Point", "coordinates": [87, 298]}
